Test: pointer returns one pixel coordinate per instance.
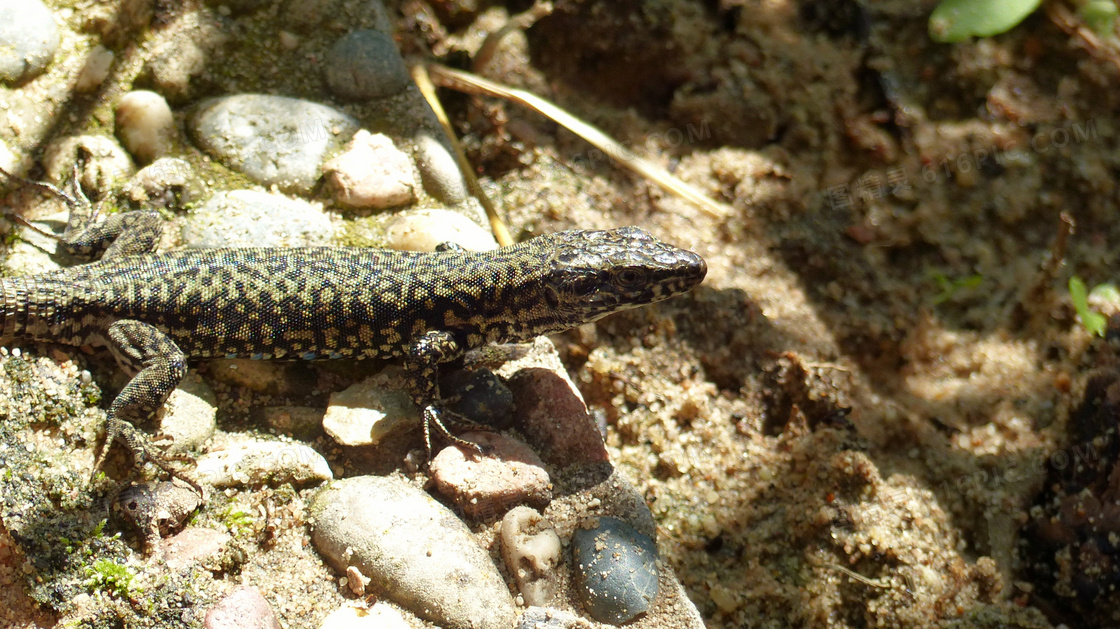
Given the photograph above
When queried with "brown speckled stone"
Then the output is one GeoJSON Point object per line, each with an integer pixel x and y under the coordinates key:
{"type": "Point", "coordinates": [552, 415]}
{"type": "Point", "coordinates": [486, 486]}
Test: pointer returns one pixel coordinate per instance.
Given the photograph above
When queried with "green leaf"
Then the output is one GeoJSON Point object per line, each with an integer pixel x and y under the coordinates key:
{"type": "Point", "coordinates": [957, 20]}
{"type": "Point", "coordinates": [1100, 15]}
{"type": "Point", "coordinates": [1094, 322]}
{"type": "Point", "coordinates": [949, 288]}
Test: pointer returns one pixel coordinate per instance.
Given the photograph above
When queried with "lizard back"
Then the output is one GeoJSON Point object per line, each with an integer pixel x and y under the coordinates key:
{"type": "Point", "coordinates": [318, 302]}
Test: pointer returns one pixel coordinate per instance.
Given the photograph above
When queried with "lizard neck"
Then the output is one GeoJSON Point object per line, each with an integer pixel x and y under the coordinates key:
{"type": "Point", "coordinates": [498, 296]}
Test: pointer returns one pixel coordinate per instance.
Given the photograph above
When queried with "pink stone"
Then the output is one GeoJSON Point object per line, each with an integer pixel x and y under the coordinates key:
{"type": "Point", "coordinates": [244, 608]}
{"type": "Point", "coordinates": [371, 173]}
{"type": "Point", "coordinates": [552, 416]}
{"type": "Point", "coordinates": [192, 545]}
{"type": "Point", "coordinates": [486, 486]}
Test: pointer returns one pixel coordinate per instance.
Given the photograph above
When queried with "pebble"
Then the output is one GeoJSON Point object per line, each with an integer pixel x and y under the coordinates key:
{"type": "Point", "coordinates": [28, 39]}
{"type": "Point", "coordinates": [288, 41]}
{"type": "Point", "coordinates": [11, 163]}
{"type": "Point", "coordinates": [254, 463]}
{"type": "Point", "coordinates": [192, 545]}
{"type": "Point", "coordinates": [356, 581]}
{"type": "Point", "coordinates": [616, 573]}
{"type": "Point", "coordinates": [413, 548]}
{"type": "Point", "coordinates": [33, 252]}
{"type": "Point", "coordinates": [371, 173]}
{"type": "Point", "coordinates": [249, 218]}
{"type": "Point", "coordinates": [545, 618]}
{"type": "Point", "coordinates": [273, 377]}
{"type": "Point", "coordinates": [366, 412]}
{"type": "Point", "coordinates": [106, 164]}
{"type": "Point", "coordinates": [364, 65]}
{"type": "Point", "coordinates": [98, 62]}
{"type": "Point", "coordinates": [424, 230]}
{"type": "Point", "coordinates": [299, 422]}
{"type": "Point", "coordinates": [553, 417]}
{"type": "Point", "coordinates": [274, 140]}
{"type": "Point", "coordinates": [353, 616]}
{"type": "Point", "coordinates": [479, 395]}
{"type": "Point", "coordinates": [145, 125]}
{"type": "Point", "coordinates": [244, 608]}
{"type": "Point", "coordinates": [157, 508]}
{"type": "Point", "coordinates": [167, 183]}
{"type": "Point", "coordinates": [531, 551]}
{"type": "Point", "coordinates": [485, 486]}
{"type": "Point", "coordinates": [439, 171]}
{"type": "Point", "coordinates": [184, 55]}
{"type": "Point", "coordinates": [191, 414]}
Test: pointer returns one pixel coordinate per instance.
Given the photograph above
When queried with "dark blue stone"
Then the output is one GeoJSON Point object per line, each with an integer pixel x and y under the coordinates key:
{"type": "Point", "coordinates": [615, 571]}
{"type": "Point", "coordinates": [479, 395]}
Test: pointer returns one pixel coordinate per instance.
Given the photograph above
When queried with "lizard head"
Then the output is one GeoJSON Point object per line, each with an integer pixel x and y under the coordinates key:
{"type": "Point", "coordinates": [596, 273]}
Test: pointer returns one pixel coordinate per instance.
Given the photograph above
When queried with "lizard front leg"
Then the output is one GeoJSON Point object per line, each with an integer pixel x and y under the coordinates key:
{"type": "Point", "coordinates": [422, 368]}
{"type": "Point", "coordinates": [120, 234]}
{"type": "Point", "coordinates": [159, 365]}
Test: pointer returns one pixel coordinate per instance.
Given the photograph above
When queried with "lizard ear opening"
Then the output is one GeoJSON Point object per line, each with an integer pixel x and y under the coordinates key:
{"type": "Point", "coordinates": [552, 297]}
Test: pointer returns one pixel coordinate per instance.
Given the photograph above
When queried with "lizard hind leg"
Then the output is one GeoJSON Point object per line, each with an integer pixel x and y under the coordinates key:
{"type": "Point", "coordinates": [159, 366]}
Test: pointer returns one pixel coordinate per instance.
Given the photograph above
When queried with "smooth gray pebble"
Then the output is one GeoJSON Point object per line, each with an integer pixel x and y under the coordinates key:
{"type": "Point", "coordinates": [274, 140]}
{"type": "Point", "coordinates": [28, 39]}
{"type": "Point", "coordinates": [365, 65]}
{"type": "Point", "coordinates": [249, 218]}
{"type": "Point", "coordinates": [413, 548]}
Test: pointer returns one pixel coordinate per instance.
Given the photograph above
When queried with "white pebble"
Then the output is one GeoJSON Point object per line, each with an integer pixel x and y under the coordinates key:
{"type": "Point", "coordinates": [145, 125]}
{"type": "Point", "coordinates": [260, 462]}
{"type": "Point", "coordinates": [288, 41]}
{"type": "Point", "coordinates": [424, 230]}
{"type": "Point", "coordinates": [9, 162]}
{"type": "Point", "coordinates": [96, 70]}
{"type": "Point", "coordinates": [352, 616]}
{"type": "Point", "coordinates": [531, 549]}
{"type": "Point", "coordinates": [366, 412]}
{"type": "Point", "coordinates": [106, 163]}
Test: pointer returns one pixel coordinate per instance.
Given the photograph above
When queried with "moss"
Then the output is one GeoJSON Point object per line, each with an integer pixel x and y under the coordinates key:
{"type": "Point", "coordinates": [112, 578]}
{"type": "Point", "coordinates": [237, 521]}
{"type": "Point", "coordinates": [950, 288]}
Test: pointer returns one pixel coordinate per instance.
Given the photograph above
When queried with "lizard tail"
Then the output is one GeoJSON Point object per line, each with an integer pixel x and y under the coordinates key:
{"type": "Point", "coordinates": [30, 308]}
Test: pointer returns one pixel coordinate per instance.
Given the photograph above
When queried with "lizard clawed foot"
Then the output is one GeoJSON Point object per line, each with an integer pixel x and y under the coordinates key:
{"type": "Point", "coordinates": [434, 418]}
{"type": "Point", "coordinates": [124, 433]}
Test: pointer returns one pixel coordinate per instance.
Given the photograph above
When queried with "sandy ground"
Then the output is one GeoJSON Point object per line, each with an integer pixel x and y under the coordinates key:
{"type": "Point", "coordinates": [874, 412]}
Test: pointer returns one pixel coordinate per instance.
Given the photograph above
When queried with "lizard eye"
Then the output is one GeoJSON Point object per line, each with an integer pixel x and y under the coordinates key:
{"type": "Point", "coordinates": [630, 278]}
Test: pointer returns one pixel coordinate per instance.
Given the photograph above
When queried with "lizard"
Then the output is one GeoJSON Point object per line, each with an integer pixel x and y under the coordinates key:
{"type": "Point", "coordinates": [156, 312]}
